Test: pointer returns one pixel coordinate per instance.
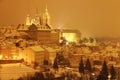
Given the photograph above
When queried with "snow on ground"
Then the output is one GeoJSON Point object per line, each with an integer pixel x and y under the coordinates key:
{"type": "Point", "coordinates": [14, 71]}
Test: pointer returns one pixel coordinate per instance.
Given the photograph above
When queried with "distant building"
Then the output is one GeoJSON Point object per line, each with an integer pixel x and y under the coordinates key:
{"type": "Point", "coordinates": [37, 54]}
{"type": "Point", "coordinates": [71, 35]}
{"type": "Point", "coordinates": [33, 54]}
{"type": "Point", "coordinates": [39, 29]}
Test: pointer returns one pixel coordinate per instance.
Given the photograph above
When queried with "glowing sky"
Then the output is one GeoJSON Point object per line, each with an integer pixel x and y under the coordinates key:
{"type": "Point", "coordinates": [91, 17]}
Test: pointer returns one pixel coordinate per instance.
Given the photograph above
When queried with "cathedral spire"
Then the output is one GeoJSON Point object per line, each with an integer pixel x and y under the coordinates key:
{"type": "Point", "coordinates": [46, 16]}
{"type": "Point", "coordinates": [28, 20]}
{"type": "Point", "coordinates": [37, 18]}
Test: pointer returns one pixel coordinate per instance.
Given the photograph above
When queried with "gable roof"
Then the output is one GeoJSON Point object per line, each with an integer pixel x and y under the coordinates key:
{"type": "Point", "coordinates": [37, 48]}
{"type": "Point", "coordinates": [39, 27]}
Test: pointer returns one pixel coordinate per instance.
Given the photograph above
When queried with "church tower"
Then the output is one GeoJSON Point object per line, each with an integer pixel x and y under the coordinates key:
{"type": "Point", "coordinates": [46, 17]}
{"type": "Point", "coordinates": [28, 20]}
{"type": "Point", "coordinates": [37, 18]}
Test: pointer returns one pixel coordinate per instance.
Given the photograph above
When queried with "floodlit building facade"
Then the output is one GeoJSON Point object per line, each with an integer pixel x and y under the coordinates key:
{"type": "Point", "coordinates": [39, 29]}
{"type": "Point", "coordinates": [33, 54]}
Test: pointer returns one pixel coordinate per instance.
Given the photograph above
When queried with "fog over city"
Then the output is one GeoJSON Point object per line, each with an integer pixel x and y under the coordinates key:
{"type": "Point", "coordinates": [59, 39]}
{"type": "Point", "coordinates": [98, 18]}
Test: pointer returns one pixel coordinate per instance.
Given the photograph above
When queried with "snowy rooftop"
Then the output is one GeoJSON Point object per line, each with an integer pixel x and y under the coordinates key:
{"type": "Point", "coordinates": [37, 48]}
{"type": "Point", "coordinates": [49, 49]}
{"type": "Point", "coordinates": [14, 71]}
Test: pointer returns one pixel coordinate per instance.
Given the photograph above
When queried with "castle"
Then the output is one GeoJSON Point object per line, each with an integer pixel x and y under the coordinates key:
{"type": "Point", "coordinates": [39, 20]}
{"type": "Point", "coordinates": [39, 29]}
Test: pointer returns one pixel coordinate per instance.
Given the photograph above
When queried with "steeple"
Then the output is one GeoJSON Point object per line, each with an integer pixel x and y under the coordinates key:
{"type": "Point", "coordinates": [46, 16]}
{"type": "Point", "coordinates": [46, 9]}
{"type": "Point", "coordinates": [37, 18]}
{"type": "Point", "coordinates": [28, 20]}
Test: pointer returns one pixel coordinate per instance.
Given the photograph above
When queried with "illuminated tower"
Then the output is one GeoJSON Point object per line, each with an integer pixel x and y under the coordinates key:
{"type": "Point", "coordinates": [37, 18]}
{"type": "Point", "coordinates": [28, 20]}
{"type": "Point", "coordinates": [46, 17]}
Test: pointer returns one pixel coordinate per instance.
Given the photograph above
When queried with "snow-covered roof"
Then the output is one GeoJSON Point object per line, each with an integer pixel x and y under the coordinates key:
{"type": "Point", "coordinates": [14, 71]}
{"type": "Point", "coordinates": [23, 27]}
{"type": "Point", "coordinates": [37, 48]}
{"type": "Point", "coordinates": [49, 49]}
{"type": "Point", "coordinates": [39, 27]}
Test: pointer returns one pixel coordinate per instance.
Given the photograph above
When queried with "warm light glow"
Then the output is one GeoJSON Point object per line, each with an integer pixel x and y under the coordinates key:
{"type": "Point", "coordinates": [68, 68]}
{"type": "Point", "coordinates": [67, 43]}
{"type": "Point", "coordinates": [1, 56]}
{"type": "Point", "coordinates": [70, 37]}
{"type": "Point", "coordinates": [6, 57]}
{"type": "Point", "coordinates": [109, 76]}
{"type": "Point", "coordinates": [93, 74]}
{"type": "Point", "coordinates": [14, 57]}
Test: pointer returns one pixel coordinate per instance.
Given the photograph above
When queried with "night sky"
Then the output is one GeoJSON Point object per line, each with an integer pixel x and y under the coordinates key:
{"type": "Point", "coordinates": [92, 17]}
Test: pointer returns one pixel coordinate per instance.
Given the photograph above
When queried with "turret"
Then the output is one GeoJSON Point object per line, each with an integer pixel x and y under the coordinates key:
{"type": "Point", "coordinates": [28, 20]}
{"type": "Point", "coordinates": [37, 18]}
{"type": "Point", "coordinates": [46, 17]}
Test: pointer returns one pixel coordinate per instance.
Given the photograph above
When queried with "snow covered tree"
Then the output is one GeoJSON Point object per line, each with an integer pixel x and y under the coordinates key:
{"type": "Point", "coordinates": [88, 66]}
{"type": "Point", "coordinates": [112, 72]}
{"type": "Point", "coordinates": [104, 70]}
{"type": "Point", "coordinates": [55, 64]}
{"type": "Point", "coordinates": [81, 66]}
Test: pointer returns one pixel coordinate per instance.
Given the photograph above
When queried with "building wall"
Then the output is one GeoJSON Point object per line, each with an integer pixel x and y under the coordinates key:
{"type": "Point", "coordinates": [43, 37]}
{"type": "Point", "coordinates": [43, 34]}
{"type": "Point", "coordinates": [55, 36]}
{"type": "Point", "coordinates": [46, 35]}
{"type": "Point", "coordinates": [30, 56]}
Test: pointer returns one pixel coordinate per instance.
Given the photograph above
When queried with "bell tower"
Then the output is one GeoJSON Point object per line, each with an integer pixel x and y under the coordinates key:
{"type": "Point", "coordinates": [46, 17]}
{"type": "Point", "coordinates": [37, 18]}
{"type": "Point", "coordinates": [28, 20]}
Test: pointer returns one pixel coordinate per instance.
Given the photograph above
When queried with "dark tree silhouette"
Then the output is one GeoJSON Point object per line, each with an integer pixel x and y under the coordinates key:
{"type": "Point", "coordinates": [17, 44]}
{"type": "Point", "coordinates": [112, 72]}
{"type": "Point", "coordinates": [35, 65]}
{"type": "Point", "coordinates": [81, 41]}
{"type": "Point", "coordinates": [88, 66]}
{"type": "Point", "coordinates": [46, 65]}
{"type": "Point", "coordinates": [85, 40]}
{"type": "Point", "coordinates": [81, 66]}
{"type": "Point", "coordinates": [39, 76]}
{"type": "Point", "coordinates": [20, 78]}
{"type": "Point", "coordinates": [55, 64]}
{"type": "Point", "coordinates": [104, 71]}
{"type": "Point", "coordinates": [91, 39]}
{"type": "Point", "coordinates": [51, 76]}
{"type": "Point", "coordinates": [100, 77]}
{"type": "Point", "coordinates": [45, 62]}
{"type": "Point", "coordinates": [62, 60]}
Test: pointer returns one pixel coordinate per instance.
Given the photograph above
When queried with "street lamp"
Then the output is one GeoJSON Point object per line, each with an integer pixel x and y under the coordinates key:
{"type": "Point", "coordinates": [1, 56]}
{"type": "Point", "coordinates": [109, 76]}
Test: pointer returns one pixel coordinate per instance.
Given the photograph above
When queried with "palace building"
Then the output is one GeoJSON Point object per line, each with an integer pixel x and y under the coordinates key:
{"type": "Point", "coordinates": [39, 29]}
